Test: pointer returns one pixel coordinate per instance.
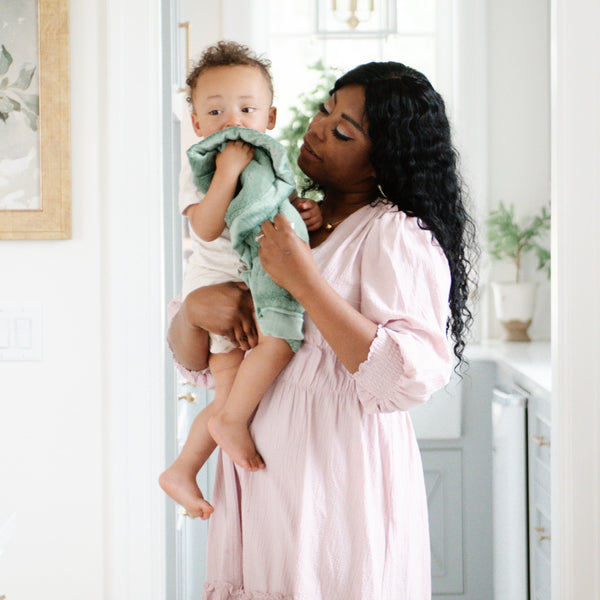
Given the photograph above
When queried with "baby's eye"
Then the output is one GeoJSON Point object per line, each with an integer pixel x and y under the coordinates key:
{"type": "Point", "coordinates": [215, 112]}
{"type": "Point", "coordinates": [248, 109]}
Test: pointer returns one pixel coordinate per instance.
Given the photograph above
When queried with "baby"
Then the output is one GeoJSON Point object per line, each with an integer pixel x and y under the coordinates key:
{"type": "Point", "coordinates": [230, 88]}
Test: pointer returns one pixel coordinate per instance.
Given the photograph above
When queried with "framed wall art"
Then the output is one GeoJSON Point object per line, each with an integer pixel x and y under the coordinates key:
{"type": "Point", "coordinates": [35, 156]}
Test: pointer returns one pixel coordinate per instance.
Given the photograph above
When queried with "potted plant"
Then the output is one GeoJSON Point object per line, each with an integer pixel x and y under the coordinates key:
{"type": "Point", "coordinates": [509, 240]}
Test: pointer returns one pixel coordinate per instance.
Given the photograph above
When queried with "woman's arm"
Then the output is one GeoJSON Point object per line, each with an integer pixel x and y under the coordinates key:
{"type": "Point", "coordinates": [348, 332]}
{"type": "Point", "coordinates": [396, 347]}
{"type": "Point", "coordinates": [289, 262]}
{"type": "Point", "coordinates": [208, 217]}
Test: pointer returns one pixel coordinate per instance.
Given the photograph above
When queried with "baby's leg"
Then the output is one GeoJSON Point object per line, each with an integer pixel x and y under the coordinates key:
{"type": "Point", "coordinates": [179, 480]}
{"type": "Point", "coordinates": [229, 428]}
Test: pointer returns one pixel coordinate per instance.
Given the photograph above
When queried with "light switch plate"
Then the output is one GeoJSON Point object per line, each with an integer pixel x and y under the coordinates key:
{"type": "Point", "coordinates": [5, 327]}
{"type": "Point", "coordinates": [20, 332]}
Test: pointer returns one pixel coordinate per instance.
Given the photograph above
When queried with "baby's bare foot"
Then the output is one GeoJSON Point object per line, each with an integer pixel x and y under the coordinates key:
{"type": "Point", "coordinates": [234, 438]}
{"type": "Point", "coordinates": [180, 485]}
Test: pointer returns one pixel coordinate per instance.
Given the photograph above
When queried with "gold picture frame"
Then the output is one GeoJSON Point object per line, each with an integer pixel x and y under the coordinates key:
{"type": "Point", "coordinates": [52, 220]}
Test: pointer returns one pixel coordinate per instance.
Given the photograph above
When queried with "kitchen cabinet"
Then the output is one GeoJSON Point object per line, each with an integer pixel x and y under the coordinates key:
{"type": "Point", "coordinates": [458, 479]}
{"type": "Point", "coordinates": [443, 482]}
{"type": "Point", "coordinates": [539, 448]}
{"type": "Point", "coordinates": [526, 367]}
{"type": "Point", "coordinates": [191, 534]}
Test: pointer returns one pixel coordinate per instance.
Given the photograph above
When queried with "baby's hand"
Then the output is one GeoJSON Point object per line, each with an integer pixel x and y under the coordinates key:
{"type": "Point", "coordinates": [310, 212]}
{"type": "Point", "coordinates": [235, 157]}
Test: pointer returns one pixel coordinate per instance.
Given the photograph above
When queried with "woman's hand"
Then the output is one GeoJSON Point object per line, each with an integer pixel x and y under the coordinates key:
{"type": "Point", "coordinates": [224, 309]}
{"type": "Point", "coordinates": [286, 258]}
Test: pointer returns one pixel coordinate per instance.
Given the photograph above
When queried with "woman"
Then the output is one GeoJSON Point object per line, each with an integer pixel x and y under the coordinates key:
{"type": "Point", "coordinates": [340, 510]}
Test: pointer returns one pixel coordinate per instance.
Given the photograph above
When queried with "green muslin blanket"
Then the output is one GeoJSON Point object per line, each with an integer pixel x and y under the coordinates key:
{"type": "Point", "coordinates": [263, 191]}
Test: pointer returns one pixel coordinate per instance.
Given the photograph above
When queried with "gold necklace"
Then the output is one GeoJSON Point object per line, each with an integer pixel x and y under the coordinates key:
{"type": "Point", "coordinates": [331, 225]}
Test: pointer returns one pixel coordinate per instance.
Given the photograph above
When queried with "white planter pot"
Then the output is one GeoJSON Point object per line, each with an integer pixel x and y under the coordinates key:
{"type": "Point", "coordinates": [514, 303]}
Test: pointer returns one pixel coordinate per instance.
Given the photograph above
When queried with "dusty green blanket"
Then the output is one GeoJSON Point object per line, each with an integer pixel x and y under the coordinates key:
{"type": "Point", "coordinates": [264, 189]}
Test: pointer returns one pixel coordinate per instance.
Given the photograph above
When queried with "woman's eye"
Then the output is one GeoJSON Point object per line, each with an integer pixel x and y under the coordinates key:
{"type": "Point", "coordinates": [340, 136]}
{"type": "Point", "coordinates": [323, 108]}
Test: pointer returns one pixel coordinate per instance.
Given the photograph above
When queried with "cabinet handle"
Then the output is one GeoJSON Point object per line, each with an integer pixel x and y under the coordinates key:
{"type": "Point", "coordinates": [539, 531]}
{"type": "Point", "coordinates": [540, 440]}
{"type": "Point", "coordinates": [190, 397]}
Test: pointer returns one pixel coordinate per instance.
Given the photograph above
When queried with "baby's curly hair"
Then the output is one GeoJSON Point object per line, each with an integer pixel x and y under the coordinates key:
{"type": "Point", "coordinates": [224, 54]}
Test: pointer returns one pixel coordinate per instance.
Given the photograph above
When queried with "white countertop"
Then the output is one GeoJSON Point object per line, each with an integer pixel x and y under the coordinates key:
{"type": "Point", "coordinates": [531, 359]}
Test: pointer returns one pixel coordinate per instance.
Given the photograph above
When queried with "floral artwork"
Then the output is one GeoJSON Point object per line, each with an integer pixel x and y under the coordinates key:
{"type": "Point", "coordinates": [19, 106]}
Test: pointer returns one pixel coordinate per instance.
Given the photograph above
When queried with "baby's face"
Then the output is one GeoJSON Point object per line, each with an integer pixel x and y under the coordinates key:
{"type": "Point", "coordinates": [232, 95]}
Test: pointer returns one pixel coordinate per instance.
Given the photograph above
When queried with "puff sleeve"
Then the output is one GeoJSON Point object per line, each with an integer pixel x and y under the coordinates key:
{"type": "Point", "coordinates": [405, 285]}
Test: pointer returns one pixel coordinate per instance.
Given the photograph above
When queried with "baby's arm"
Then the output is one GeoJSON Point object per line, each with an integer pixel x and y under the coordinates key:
{"type": "Point", "coordinates": [310, 211]}
{"type": "Point", "coordinates": [208, 217]}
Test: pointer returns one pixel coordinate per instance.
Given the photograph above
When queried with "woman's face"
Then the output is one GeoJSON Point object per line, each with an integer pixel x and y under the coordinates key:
{"type": "Point", "coordinates": [335, 153]}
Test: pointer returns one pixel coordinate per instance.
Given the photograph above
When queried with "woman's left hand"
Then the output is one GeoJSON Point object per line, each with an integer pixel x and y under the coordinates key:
{"type": "Point", "coordinates": [286, 258]}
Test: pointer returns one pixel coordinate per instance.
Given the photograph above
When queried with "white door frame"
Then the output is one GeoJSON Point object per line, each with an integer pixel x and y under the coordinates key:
{"type": "Point", "coordinates": [134, 316]}
{"type": "Point", "coordinates": [133, 311]}
{"type": "Point", "coordinates": [575, 292]}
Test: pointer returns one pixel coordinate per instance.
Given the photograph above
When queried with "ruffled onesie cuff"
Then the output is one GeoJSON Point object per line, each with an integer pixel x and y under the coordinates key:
{"type": "Point", "coordinates": [204, 378]}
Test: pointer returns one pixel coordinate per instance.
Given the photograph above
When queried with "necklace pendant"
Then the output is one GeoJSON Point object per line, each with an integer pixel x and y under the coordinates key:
{"type": "Point", "coordinates": [328, 226]}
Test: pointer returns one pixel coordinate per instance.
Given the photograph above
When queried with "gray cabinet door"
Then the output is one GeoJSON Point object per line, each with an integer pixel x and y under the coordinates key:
{"type": "Point", "coordinates": [458, 478]}
{"type": "Point", "coordinates": [443, 481]}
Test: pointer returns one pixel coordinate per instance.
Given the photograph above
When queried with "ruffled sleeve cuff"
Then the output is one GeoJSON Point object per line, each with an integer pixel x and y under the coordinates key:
{"type": "Point", "coordinates": [389, 379]}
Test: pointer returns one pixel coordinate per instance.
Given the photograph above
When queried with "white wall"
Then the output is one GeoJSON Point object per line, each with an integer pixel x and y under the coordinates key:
{"type": "Point", "coordinates": [519, 129]}
{"type": "Point", "coordinates": [51, 423]}
{"type": "Point", "coordinates": [82, 430]}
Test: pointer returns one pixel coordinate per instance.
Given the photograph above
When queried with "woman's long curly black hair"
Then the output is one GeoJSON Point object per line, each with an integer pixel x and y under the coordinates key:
{"type": "Point", "coordinates": [416, 168]}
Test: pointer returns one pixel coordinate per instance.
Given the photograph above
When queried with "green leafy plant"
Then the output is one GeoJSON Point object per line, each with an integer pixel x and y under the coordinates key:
{"type": "Point", "coordinates": [308, 105]}
{"type": "Point", "coordinates": [510, 240]}
{"type": "Point", "coordinates": [13, 96]}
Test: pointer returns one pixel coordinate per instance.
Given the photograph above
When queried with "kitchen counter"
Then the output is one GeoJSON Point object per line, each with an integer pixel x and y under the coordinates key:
{"type": "Point", "coordinates": [530, 359]}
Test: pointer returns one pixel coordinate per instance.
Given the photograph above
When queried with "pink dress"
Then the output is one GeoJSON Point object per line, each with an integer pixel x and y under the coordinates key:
{"type": "Point", "coordinates": [340, 511]}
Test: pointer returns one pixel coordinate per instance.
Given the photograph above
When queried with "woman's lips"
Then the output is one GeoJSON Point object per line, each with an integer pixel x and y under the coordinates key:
{"type": "Point", "coordinates": [307, 150]}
